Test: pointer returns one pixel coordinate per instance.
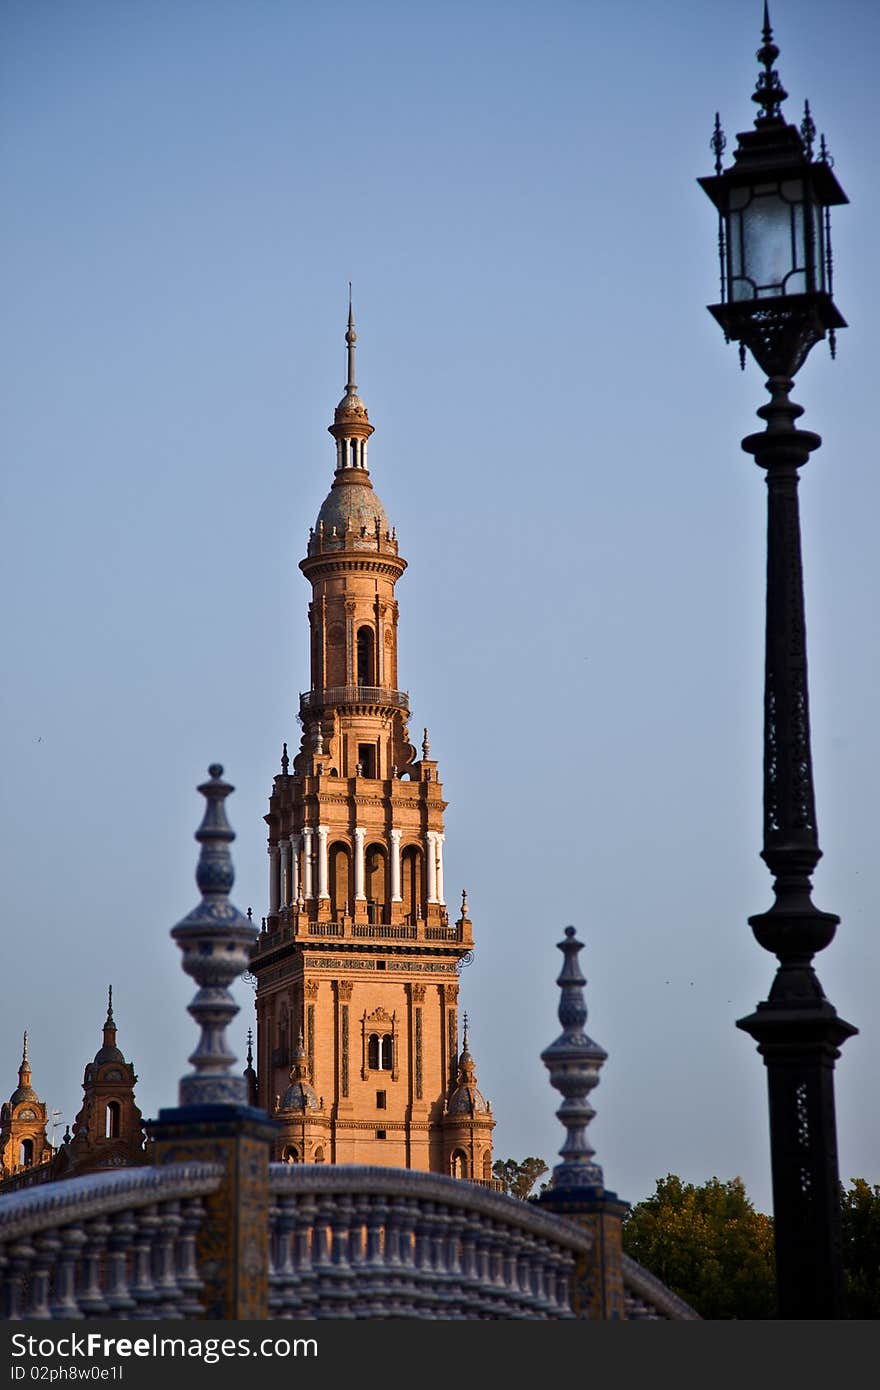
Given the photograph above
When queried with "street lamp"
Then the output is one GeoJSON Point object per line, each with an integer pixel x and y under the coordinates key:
{"type": "Point", "coordinates": [776, 300]}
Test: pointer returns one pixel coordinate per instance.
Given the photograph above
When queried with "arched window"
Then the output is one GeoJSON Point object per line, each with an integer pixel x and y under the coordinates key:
{"type": "Point", "coordinates": [112, 1119]}
{"type": "Point", "coordinates": [340, 893]}
{"type": "Point", "coordinates": [459, 1164]}
{"type": "Point", "coordinates": [290, 1155]}
{"type": "Point", "coordinates": [487, 1166]}
{"type": "Point", "coordinates": [352, 446]}
{"type": "Point", "coordinates": [26, 1153]}
{"type": "Point", "coordinates": [366, 656]}
{"type": "Point", "coordinates": [380, 1052]}
{"type": "Point", "coordinates": [319, 1155]}
{"type": "Point", "coordinates": [411, 883]}
{"type": "Point", "coordinates": [376, 865]}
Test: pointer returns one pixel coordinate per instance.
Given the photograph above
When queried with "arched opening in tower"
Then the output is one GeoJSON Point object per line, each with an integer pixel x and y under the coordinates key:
{"type": "Point", "coordinates": [340, 880]}
{"type": "Point", "coordinates": [459, 1164]}
{"type": "Point", "coordinates": [112, 1120]}
{"type": "Point", "coordinates": [26, 1153]}
{"type": "Point", "coordinates": [411, 884]}
{"type": "Point", "coordinates": [366, 656]}
{"type": "Point", "coordinates": [377, 883]}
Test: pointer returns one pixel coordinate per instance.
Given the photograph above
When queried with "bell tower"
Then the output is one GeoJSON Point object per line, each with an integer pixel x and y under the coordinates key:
{"type": "Point", "coordinates": [358, 952]}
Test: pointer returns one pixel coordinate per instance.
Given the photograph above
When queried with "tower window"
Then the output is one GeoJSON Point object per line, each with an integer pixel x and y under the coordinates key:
{"type": "Point", "coordinates": [380, 1053]}
{"type": "Point", "coordinates": [112, 1119]}
{"type": "Point", "coordinates": [381, 1100]}
{"type": "Point", "coordinates": [26, 1153]}
{"type": "Point", "coordinates": [352, 444]}
{"type": "Point", "coordinates": [367, 759]}
{"type": "Point", "coordinates": [366, 656]}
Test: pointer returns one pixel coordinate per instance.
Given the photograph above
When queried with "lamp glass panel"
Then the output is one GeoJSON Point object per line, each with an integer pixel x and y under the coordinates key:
{"type": "Point", "coordinates": [767, 243]}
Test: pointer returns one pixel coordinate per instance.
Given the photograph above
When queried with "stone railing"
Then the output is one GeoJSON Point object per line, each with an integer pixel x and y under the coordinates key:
{"type": "Point", "coordinates": [117, 1245]}
{"type": "Point", "coordinates": [365, 1242]}
{"type": "Point", "coordinates": [647, 1298]}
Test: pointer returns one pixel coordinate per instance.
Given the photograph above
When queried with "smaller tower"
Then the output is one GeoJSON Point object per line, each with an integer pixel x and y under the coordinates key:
{"type": "Point", "coordinates": [467, 1123]}
{"type": "Point", "coordinates": [108, 1131]}
{"type": "Point", "coordinates": [304, 1136]}
{"type": "Point", "coordinates": [23, 1140]}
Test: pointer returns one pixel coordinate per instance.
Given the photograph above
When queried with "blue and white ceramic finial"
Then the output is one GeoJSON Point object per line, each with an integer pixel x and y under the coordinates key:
{"type": "Point", "coordinates": [574, 1062]}
{"type": "Point", "coordinates": [216, 941]}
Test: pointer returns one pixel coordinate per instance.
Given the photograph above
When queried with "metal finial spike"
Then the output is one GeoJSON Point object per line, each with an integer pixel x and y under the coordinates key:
{"type": "Point", "coordinates": [250, 1047]}
{"type": "Point", "coordinates": [109, 1003]}
{"type": "Point", "coordinates": [350, 339]}
{"type": "Point", "coordinates": [464, 1040]}
{"type": "Point", "coordinates": [718, 143]}
{"type": "Point", "coordinates": [808, 130]}
{"type": "Point", "coordinates": [285, 760]}
{"type": "Point", "coordinates": [24, 1045]}
{"type": "Point", "coordinates": [769, 92]}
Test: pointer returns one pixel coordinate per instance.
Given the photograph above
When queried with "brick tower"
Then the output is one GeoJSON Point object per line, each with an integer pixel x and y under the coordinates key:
{"type": "Point", "coordinates": [23, 1119]}
{"type": "Point", "coordinates": [358, 955]}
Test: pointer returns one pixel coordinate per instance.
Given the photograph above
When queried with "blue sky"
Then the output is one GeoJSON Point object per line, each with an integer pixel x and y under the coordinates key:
{"type": "Point", "coordinates": [511, 188]}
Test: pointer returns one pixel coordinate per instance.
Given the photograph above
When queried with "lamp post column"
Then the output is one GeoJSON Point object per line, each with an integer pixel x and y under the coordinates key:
{"type": "Point", "coordinates": [797, 1030]}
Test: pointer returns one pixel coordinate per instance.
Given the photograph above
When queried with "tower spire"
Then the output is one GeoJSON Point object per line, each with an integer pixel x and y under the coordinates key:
{"type": "Point", "coordinates": [24, 1071]}
{"type": "Point", "coordinates": [350, 339]}
{"type": "Point", "coordinates": [110, 1022]}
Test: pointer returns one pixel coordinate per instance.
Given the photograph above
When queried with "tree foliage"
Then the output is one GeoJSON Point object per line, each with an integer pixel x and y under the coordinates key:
{"type": "Point", "coordinates": [707, 1244]}
{"type": "Point", "coordinates": [860, 1221]}
{"type": "Point", "coordinates": [518, 1179]}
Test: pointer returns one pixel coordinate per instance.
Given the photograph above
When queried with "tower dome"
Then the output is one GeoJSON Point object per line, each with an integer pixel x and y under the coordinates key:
{"type": "Point", "coordinates": [351, 514]}
{"type": "Point", "coordinates": [108, 1051]}
{"type": "Point", "coordinates": [299, 1094]}
{"type": "Point", "coordinates": [466, 1099]}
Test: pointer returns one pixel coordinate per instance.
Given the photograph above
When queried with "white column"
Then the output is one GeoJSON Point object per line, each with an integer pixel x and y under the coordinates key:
{"type": "Point", "coordinates": [440, 898]}
{"type": "Point", "coordinates": [395, 866]}
{"type": "Point", "coordinates": [273, 878]}
{"type": "Point", "coordinates": [308, 880]}
{"type": "Point", "coordinates": [323, 866]}
{"type": "Point", "coordinates": [295, 842]}
{"type": "Point", "coordinates": [432, 866]}
{"type": "Point", "coordinates": [359, 836]}
{"type": "Point", "coordinates": [284, 846]}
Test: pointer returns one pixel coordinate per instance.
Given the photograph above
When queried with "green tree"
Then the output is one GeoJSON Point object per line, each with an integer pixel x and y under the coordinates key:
{"type": "Point", "coordinates": [707, 1244]}
{"type": "Point", "coordinates": [518, 1179]}
{"type": "Point", "coordinates": [860, 1221]}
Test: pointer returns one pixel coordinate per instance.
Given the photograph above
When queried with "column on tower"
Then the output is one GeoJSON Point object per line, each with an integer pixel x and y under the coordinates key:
{"type": "Point", "coordinates": [431, 837]}
{"type": "Point", "coordinates": [295, 842]}
{"type": "Point", "coordinates": [359, 842]}
{"type": "Point", "coordinates": [284, 846]}
{"type": "Point", "coordinates": [395, 835]}
{"type": "Point", "coordinates": [308, 862]}
{"type": "Point", "coordinates": [323, 863]}
{"type": "Point", "coordinates": [274, 854]}
{"type": "Point", "coordinates": [439, 842]}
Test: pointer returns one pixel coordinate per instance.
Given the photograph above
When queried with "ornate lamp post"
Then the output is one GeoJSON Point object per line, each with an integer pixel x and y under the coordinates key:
{"type": "Point", "coordinates": [775, 253]}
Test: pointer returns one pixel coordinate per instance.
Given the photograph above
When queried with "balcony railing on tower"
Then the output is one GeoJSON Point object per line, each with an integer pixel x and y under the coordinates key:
{"type": "Point", "coordinates": [352, 695]}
